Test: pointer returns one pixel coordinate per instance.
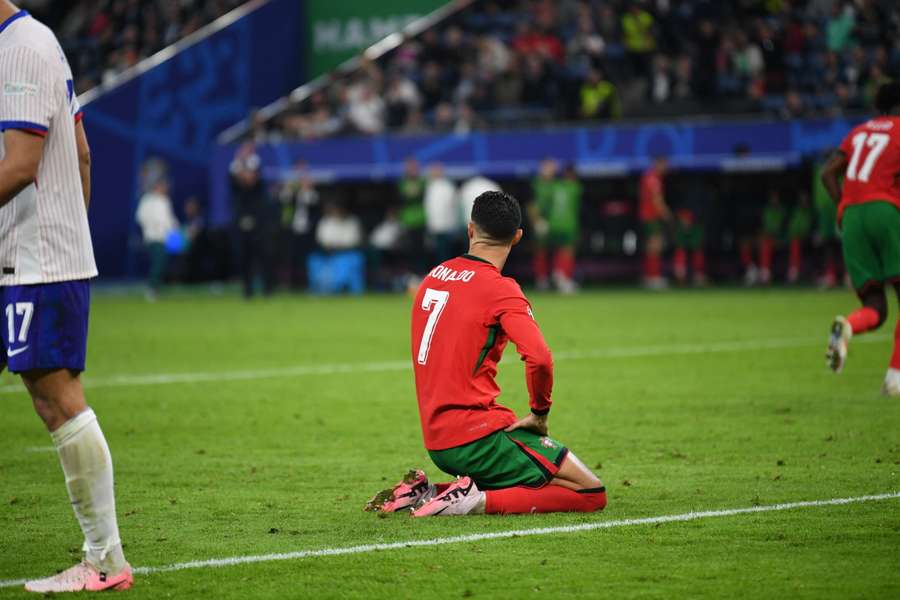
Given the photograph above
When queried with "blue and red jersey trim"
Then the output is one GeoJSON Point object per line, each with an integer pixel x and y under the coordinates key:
{"type": "Point", "coordinates": [28, 126]}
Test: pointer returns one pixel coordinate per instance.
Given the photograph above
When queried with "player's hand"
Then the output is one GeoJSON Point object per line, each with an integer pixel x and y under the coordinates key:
{"type": "Point", "coordinates": [530, 422]}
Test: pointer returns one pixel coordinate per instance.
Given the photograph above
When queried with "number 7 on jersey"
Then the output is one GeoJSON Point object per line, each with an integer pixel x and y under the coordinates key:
{"type": "Point", "coordinates": [433, 302]}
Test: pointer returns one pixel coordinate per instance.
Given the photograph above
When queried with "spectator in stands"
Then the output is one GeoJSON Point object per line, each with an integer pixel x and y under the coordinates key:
{"type": "Point", "coordinates": [638, 37]}
{"type": "Point", "coordinates": [157, 221]}
{"type": "Point", "coordinates": [586, 47]}
{"type": "Point", "coordinates": [707, 42]}
{"type": "Point", "coordinates": [367, 111]}
{"type": "Point", "coordinates": [599, 98]}
{"type": "Point", "coordinates": [531, 41]}
{"type": "Point", "coordinates": [300, 203]}
{"type": "Point", "coordinates": [442, 222]}
{"type": "Point", "coordinates": [654, 215]}
{"type": "Point", "coordinates": [102, 39]}
{"type": "Point", "coordinates": [660, 88]}
{"type": "Point", "coordinates": [839, 28]}
{"type": "Point", "coordinates": [401, 98]}
{"type": "Point", "coordinates": [255, 219]}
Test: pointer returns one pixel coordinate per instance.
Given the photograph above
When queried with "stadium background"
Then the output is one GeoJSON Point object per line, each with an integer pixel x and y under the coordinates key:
{"type": "Point", "coordinates": [743, 97]}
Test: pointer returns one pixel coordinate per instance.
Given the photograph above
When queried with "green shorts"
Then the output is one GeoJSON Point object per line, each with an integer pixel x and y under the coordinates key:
{"type": "Point", "coordinates": [689, 237]}
{"type": "Point", "coordinates": [826, 222]}
{"type": "Point", "coordinates": [871, 239]}
{"type": "Point", "coordinates": [654, 227]}
{"type": "Point", "coordinates": [558, 239]}
{"type": "Point", "coordinates": [502, 460]}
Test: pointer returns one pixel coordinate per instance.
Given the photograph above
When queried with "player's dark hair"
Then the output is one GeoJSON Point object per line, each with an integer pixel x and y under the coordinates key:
{"type": "Point", "coordinates": [887, 98]}
{"type": "Point", "coordinates": [498, 215]}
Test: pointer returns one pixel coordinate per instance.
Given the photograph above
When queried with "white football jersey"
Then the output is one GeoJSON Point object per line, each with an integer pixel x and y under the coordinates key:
{"type": "Point", "coordinates": [44, 232]}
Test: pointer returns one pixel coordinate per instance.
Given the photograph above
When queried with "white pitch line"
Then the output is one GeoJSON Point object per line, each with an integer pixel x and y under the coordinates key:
{"type": "Point", "coordinates": [496, 535]}
{"type": "Point", "coordinates": [138, 380]}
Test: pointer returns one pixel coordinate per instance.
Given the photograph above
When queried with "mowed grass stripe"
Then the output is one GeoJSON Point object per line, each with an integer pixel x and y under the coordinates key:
{"type": "Point", "coordinates": [138, 380]}
{"type": "Point", "coordinates": [497, 535]}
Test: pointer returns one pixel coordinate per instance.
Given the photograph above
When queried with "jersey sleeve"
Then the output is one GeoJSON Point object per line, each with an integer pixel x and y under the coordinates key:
{"type": "Point", "coordinates": [845, 146]}
{"type": "Point", "coordinates": [26, 91]}
{"type": "Point", "coordinates": [514, 314]}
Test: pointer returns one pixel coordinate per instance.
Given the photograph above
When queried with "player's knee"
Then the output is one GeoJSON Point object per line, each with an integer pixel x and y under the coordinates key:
{"type": "Point", "coordinates": [593, 500]}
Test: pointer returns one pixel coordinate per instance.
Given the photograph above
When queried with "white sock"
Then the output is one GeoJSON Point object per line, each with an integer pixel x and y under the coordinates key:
{"type": "Point", "coordinates": [88, 468]}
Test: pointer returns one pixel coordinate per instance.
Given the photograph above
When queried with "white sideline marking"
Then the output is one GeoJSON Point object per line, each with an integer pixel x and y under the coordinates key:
{"type": "Point", "coordinates": [136, 380]}
{"type": "Point", "coordinates": [478, 537]}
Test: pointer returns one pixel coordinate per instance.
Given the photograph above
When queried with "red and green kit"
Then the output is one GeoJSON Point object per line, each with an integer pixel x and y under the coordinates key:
{"type": "Point", "coordinates": [463, 316]}
{"type": "Point", "coordinates": [869, 212]}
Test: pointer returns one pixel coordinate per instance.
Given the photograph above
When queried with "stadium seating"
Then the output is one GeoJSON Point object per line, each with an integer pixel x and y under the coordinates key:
{"type": "Point", "coordinates": [524, 63]}
{"type": "Point", "coordinates": [103, 38]}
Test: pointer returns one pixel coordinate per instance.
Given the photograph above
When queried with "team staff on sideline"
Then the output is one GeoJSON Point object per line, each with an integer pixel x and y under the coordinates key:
{"type": "Point", "coordinates": [46, 260]}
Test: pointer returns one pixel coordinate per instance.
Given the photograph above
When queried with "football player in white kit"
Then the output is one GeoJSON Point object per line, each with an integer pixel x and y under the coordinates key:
{"type": "Point", "coordinates": [46, 260]}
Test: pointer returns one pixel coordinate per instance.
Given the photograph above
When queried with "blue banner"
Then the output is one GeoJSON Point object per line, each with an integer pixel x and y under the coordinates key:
{"type": "Point", "coordinates": [595, 151]}
{"type": "Point", "coordinates": [174, 112]}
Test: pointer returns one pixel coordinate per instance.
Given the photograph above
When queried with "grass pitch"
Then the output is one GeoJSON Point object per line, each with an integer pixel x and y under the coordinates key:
{"type": "Point", "coordinates": [249, 428]}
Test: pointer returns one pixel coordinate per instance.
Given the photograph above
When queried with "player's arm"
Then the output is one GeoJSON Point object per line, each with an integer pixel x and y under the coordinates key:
{"type": "Point", "coordinates": [19, 165]}
{"type": "Point", "coordinates": [84, 161]}
{"type": "Point", "coordinates": [832, 172]}
{"type": "Point", "coordinates": [659, 201]}
{"type": "Point", "coordinates": [519, 325]}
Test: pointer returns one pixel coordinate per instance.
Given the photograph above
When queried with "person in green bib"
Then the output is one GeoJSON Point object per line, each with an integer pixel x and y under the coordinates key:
{"type": "Point", "coordinates": [773, 220]}
{"type": "Point", "coordinates": [798, 230]}
{"type": "Point", "coordinates": [555, 215]}
{"type": "Point", "coordinates": [411, 191]}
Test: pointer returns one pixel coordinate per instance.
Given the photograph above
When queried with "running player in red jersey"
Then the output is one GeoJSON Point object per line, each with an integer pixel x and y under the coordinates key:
{"type": "Point", "coordinates": [464, 314]}
{"type": "Point", "coordinates": [869, 215]}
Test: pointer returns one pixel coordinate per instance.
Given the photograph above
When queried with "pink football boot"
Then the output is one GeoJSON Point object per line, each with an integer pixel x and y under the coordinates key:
{"type": "Point", "coordinates": [403, 496]}
{"type": "Point", "coordinates": [462, 498]}
{"type": "Point", "coordinates": [82, 578]}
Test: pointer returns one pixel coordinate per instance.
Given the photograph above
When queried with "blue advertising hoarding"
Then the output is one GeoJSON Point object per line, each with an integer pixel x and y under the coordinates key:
{"type": "Point", "coordinates": [595, 150]}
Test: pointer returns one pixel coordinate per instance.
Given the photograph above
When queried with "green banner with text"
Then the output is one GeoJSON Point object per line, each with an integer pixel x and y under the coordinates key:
{"type": "Point", "coordinates": [339, 29]}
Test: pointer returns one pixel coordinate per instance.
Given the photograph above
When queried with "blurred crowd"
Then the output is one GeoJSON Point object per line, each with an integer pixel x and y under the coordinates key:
{"type": "Point", "coordinates": [514, 62]}
{"type": "Point", "coordinates": [102, 38]}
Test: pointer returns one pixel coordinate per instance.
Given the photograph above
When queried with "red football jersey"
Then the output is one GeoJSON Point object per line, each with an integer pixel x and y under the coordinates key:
{"type": "Point", "coordinates": [651, 185]}
{"type": "Point", "coordinates": [464, 314]}
{"type": "Point", "coordinates": [873, 152]}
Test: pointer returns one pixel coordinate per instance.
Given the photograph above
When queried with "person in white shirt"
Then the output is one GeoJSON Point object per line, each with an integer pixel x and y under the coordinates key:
{"type": "Point", "coordinates": [46, 262]}
{"type": "Point", "coordinates": [338, 230]}
{"type": "Point", "coordinates": [157, 221]}
{"type": "Point", "coordinates": [442, 213]}
{"type": "Point", "coordinates": [471, 189]}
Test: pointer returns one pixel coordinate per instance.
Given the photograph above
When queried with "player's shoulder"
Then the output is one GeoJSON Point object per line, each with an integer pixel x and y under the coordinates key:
{"type": "Point", "coordinates": [31, 37]}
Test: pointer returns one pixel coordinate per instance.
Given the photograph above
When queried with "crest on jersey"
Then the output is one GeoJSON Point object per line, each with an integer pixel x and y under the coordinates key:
{"type": "Point", "coordinates": [15, 88]}
{"type": "Point", "coordinates": [548, 443]}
